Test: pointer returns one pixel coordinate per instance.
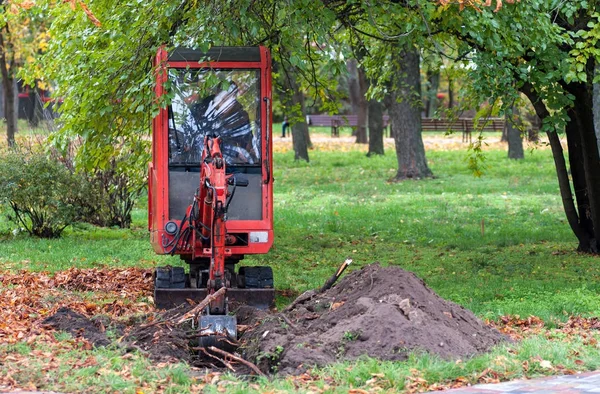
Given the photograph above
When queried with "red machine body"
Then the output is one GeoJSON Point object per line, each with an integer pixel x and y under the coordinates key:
{"type": "Point", "coordinates": [210, 191]}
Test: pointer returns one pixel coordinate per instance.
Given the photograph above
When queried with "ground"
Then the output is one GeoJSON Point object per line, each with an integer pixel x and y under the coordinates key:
{"type": "Point", "coordinates": [497, 245]}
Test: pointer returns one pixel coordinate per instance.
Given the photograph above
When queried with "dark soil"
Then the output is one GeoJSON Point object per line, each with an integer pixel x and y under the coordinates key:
{"type": "Point", "coordinates": [78, 325]}
{"type": "Point", "coordinates": [161, 342]}
{"type": "Point", "coordinates": [158, 340]}
{"type": "Point", "coordinates": [382, 312]}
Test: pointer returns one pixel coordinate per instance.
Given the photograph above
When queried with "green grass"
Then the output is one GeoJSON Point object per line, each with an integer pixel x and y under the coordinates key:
{"type": "Point", "coordinates": [522, 261]}
{"type": "Point", "coordinates": [75, 369]}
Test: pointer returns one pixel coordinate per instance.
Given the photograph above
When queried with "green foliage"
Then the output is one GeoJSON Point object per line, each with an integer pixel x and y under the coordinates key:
{"type": "Point", "coordinates": [115, 100]}
{"type": "Point", "coordinates": [42, 193]}
{"type": "Point", "coordinates": [113, 191]}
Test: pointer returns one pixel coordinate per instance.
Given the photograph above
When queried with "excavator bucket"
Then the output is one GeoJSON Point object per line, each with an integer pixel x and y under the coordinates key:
{"type": "Point", "coordinates": [217, 330]}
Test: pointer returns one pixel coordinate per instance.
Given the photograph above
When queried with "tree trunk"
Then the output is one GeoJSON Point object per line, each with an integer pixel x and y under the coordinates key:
{"type": "Point", "coordinates": [405, 113]}
{"type": "Point", "coordinates": [357, 88]}
{"type": "Point", "coordinates": [579, 182]}
{"type": "Point", "coordinates": [582, 220]}
{"type": "Point", "coordinates": [582, 115]}
{"type": "Point", "coordinates": [513, 136]}
{"type": "Point", "coordinates": [596, 106]}
{"type": "Point", "coordinates": [450, 93]}
{"type": "Point", "coordinates": [353, 87]}
{"type": "Point", "coordinates": [533, 134]}
{"type": "Point", "coordinates": [580, 232]}
{"type": "Point", "coordinates": [33, 116]}
{"type": "Point", "coordinates": [375, 128]}
{"type": "Point", "coordinates": [433, 79]}
{"type": "Point", "coordinates": [363, 108]}
{"type": "Point", "coordinates": [8, 83]}
{"type": "Point", "coordinates": [293, 99]}
{"type": "Point", "coordinates": [387, 106]}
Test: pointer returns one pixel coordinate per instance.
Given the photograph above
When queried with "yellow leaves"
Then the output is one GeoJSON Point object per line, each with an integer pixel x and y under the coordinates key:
{"type": "Point", "coordinates": [17, 5]}
{"type": "Point", "coordinates": [84, 7]}
{"type": "Point", "coordinates": [475, 4]}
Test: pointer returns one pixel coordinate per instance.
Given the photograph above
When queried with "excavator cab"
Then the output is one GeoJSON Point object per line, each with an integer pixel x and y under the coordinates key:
{"type": "Point", "coordinates": [210, 197]}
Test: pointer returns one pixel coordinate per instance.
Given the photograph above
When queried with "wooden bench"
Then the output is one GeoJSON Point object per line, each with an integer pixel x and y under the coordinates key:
{"type": "Point", "coordinates": [464, 125]}
{"type": "Point", "coordinates": [337, 121]}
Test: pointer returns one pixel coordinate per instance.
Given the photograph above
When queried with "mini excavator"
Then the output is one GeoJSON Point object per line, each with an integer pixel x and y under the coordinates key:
{"type": "Point", "coordinates": [210, 197]}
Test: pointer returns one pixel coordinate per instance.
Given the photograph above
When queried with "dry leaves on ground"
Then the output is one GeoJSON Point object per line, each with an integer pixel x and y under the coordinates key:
{"type": "Point", "coordinates": [29, 297]}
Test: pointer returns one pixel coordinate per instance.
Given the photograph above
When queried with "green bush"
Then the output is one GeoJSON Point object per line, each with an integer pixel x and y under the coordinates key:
{"type": "Point", "coordinates": [113, 175]}
{"type": "Point", "coordinates": [113, 192]}
{"type": "Point", "coordinates": [41, 193]}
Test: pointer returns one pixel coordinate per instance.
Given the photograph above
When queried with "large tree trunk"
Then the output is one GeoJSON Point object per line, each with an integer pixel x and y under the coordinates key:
{"type": "Point", "coordinates": [583, 221]}
{"type": "Point", "coordinates": [579, 182]}
{"type": "Point", "coordinates": [596, 106]}
{"type": "Point", "coordinates": [8, 83]}
{"type": "Point", "coordinates": [405, 114]}
{"type": "Point", "coordinates": [513, 136]}
{"type": "Point", "coordinates": [293, 99]}
{"type": "Point", "coordinates": [375, 128]}
{"type": "Point", "coordinates": [581, 114]}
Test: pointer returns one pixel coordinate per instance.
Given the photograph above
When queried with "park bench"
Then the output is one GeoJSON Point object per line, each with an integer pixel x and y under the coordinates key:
{"type": "Point", "coordinates": [337, 121]}
{"type": "Point", "coordinates": [464, 125]}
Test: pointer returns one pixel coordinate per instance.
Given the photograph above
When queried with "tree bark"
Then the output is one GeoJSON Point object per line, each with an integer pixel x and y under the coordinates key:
{"type": "Point", "coordinates": [582, 115]}
{"type": "Point", "coordinates": [375, 128]}
{"type": "Point", "coordinates": [579, 182]}
{"type": "Point", "coordinates": [363, 108]}
{"type": "Point", "coordinates": [596, 106]}
{"type": "Point", "coordinates": [450, 92]}
{"type": "Point", "coordinates": [33, 116]}
{"type": "Point", "coordinates": [387, 106]}
{"type": "Point", "coordinates": [577, 219]}
{"type": "Point", "coordinates": [8, 83]}
{"type": "Point", "coordinates": [405, 113]}
{"type": "Point", "coordinates": [293, 99]}
{"type": "Point", "coordinates": [513, 136]}
{"type": "Point", "coordinates": [580, 232]}
{"type": "Point", "coordinates": [357, 87]}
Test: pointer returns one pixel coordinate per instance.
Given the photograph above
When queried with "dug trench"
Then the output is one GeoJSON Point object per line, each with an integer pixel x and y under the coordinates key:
{"type": "Point", "coordinates": [381, 312]}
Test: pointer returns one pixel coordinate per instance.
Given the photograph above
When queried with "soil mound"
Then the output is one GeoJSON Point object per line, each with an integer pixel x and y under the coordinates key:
{"type": "Point", "coordinates": [382, 312]}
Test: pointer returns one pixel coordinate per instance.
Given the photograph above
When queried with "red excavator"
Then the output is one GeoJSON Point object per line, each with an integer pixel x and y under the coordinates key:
{"type": "Point", "coordinates": [210, 197]}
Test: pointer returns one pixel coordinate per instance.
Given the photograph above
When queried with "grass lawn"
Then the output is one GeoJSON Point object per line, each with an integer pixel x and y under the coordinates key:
{"type": "Point", "coordinates": [498, 245]}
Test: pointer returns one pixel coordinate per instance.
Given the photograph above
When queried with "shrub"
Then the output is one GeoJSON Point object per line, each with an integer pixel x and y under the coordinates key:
{"type": "Point", "coordinates": [113, 193]}
{"type": "Point", "coordinates": [114, 176]}
{"type": "Point", "coordinates": [42, 193]}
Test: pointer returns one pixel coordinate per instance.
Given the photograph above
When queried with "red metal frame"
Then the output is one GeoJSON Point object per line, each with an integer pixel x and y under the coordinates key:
{"type": "Point", "coordinates": [158, 171]}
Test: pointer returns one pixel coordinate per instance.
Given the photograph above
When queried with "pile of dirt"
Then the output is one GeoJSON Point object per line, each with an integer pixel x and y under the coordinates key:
{"type": "Point", "coordinates": [382, 312]}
